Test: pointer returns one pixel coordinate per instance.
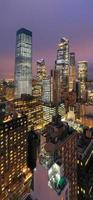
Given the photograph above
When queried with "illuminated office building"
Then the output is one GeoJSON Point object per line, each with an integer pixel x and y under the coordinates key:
{"type": "Point", "coordinates": [86, 114]}
{"type": "Point", "coordinates": [49, 110]}
{"type": "Point", "coordinates": [23, 63]}
{"type": "Point", "coordinates": [36, 88]}
{"type": "Point", "coordinates": [41, 75]}
{"type": "Point", "coordinates": [41, 70]}
{"type": "Point", "coordinates": [61, 141]}
{"type": "Point", "coordinates": [46, 95]}
{"type": "Point", "coordinates": [62, 61]}
{"type": "Point", "coordinates": [32, 108]}
{"type": "Point", "coordinates": [55, 87]}
{"type": "Point", "coordinates": [51, 88]}
{"type": "Point", "coordinates": [72, 72]}
{"type": "Point", "coordinates": [14, 175]}
{"type": "Point", "coordinates": [90, 91]}
{"type": "Point", "coordinates": [82, 76]}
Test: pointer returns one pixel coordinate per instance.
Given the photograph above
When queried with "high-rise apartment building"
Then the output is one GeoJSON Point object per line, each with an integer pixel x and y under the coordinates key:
{"type": "Point", "coordinates": [72, 72]}
{"type": "Point", "coordinates": [61, 141]}
{"type": "Point", "coordinates": [14, 174]}
{"type": "Point", "coordinates": [82, 76]}
{"type": "Point", "coordinates": [62, 61]}
{"type": "Point", "coordinates": [23, 63]}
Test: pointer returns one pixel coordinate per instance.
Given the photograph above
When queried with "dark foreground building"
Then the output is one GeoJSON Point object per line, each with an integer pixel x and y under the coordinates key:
{"type": "Point", "coordinates": [85, 167]}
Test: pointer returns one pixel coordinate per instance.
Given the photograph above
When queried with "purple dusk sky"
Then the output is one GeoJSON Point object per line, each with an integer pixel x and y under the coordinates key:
{"type": "Point", "coordinates": [49, 20]}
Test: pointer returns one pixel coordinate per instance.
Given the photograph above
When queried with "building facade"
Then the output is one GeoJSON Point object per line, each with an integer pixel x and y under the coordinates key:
{"type": "Point", "coordinates": [85, 165]}
{"type": "Point", "coordinates": [32, 108]}
{"type": "Point", "coordinates": [82, 76]}
{"type": "Point", "coordinates": [62, 61]}
{"type": "Point", "coordinates": [14, 173]}
{"type": "Point", "coordinates": [72, 72]}
{"type": "Point", "coordinates": [61, 141]}
{"type": "Point", "coordinates": [23, 63]}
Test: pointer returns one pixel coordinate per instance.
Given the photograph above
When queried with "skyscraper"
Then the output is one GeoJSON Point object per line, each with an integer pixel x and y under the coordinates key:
{"type": "Point", "coordinates": [62, 62]}
{"type": "Point", "coordinates": [41, 70]}
{"type": "Point", "coordinates": [13, 156]}
{"type": "Point", "coordinates": [83, 75]}
{"type": "Point", "coordinates": [72, 72]}
{"type": "Point", "coordinates": [46, 96]}
{"type": "Point", "coordinates": [41, 75]}
{"type": "Point", "coordinates": [23, 63]}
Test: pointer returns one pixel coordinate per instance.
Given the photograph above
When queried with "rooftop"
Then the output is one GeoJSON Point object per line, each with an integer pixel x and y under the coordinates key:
{"type": "Point", "coordinates": [25, 31]}
{"type": "Point", "coordinates": [57, 131]}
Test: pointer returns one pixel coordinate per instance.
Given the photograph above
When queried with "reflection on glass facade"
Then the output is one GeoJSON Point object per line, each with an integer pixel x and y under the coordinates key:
{"type": "Point", "coordinates": [62, 62]}
{"type": "Point", "coordinates": [23, 63]}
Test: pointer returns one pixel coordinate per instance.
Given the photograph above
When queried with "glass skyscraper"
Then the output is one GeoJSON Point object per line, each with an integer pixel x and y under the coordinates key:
{"type": "Point", "coordinates": [23, 63]}
{"type": "Point", "coordinates": [62, 62]}
{"type": "Point", "coordinates": [83, 76]}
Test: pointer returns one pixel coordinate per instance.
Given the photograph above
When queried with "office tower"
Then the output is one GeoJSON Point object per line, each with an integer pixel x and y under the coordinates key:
{"type": "Point", "coordinates": [72, 72]}
{"type": "Point", "coordinates": [49, 110]}
{"type": "Point", "coordinates": [51, 88]}
{"type": "Point", "coordinates": [23, 63]}
{"type": "Point", "coordinates": [61, 139]}
{"type": "Point", "coordinates": [46, 95]}
{"type": "Point", "coordinates": [14, 175]}
{"type": "Point", "coordinates": [82, 76]}
{"type": "Point", "coordinates": [86, 114]}
{"type": "Point", "coordinates": [32, 108]}
{"type": "Point", "coordinates": [62, 61]}
{"type": "Point", "coordinates": [85, 165]}
{"type": "Point", "coordinates": [55, 87]}
{"type": "Point", "coordinates": [90, 91]}
{"type": "Point", "coordinates": [41, 75]}
{"type": "Point", "coordinates": [41, 70]}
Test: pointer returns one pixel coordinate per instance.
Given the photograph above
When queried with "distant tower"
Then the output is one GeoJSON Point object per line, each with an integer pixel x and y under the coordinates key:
{"type": "Point", "coordinates": [41, 75]}
{"type": "Point", "coordinates": [62, 62]}
{"type": "Point", "coordinates": [46, 95]}
{"type": "Point", "coordinates": [72, 72]}
{"type": "Point", "coordinates": [55, 87]}
{"type": "Point", "coordinates": [82, 76]}
{"type": "Point", "coordinates": [41, 70]}
{"type": "Point", "coordinates": [23, 63]}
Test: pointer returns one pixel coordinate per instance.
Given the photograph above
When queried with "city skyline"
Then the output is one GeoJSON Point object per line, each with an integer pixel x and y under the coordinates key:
{"type": "Point", "coordinates": [46, 100]}
{"type": "Point", "coordinates": [75, 18]}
